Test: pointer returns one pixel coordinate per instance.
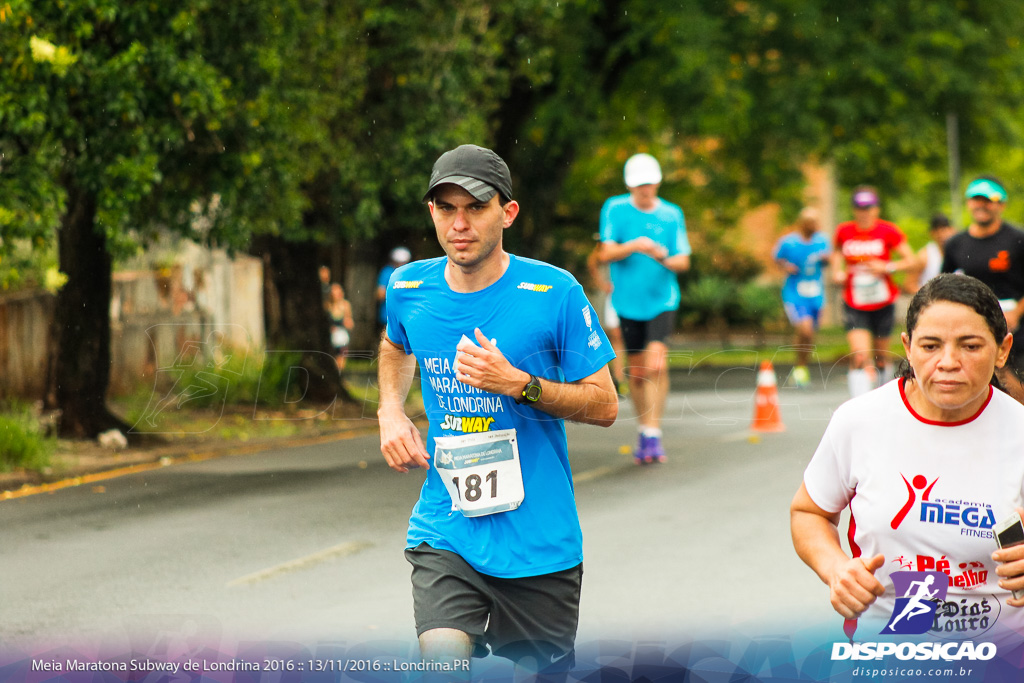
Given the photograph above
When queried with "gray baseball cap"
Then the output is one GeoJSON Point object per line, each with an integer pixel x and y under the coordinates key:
{"type": "Point", "coordinates": [477, 170]}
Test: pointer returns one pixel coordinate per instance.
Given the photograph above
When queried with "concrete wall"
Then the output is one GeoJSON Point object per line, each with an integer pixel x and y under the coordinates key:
{"type": "Point", "coordinates": [207, 298]}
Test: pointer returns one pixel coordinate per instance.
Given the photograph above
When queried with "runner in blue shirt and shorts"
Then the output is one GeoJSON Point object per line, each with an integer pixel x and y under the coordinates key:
{"type": "Point", "coordinates": [802, 254]}
{"type": "Point", "coordinates": [399, 257]}
{"type": "Point", "coordinates": [508, 348]}
{"type": "Point", "coordinates": [643, 239]}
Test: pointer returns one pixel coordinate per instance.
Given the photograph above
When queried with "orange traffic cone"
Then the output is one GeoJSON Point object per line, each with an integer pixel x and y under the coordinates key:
{"type": "Point", "coordinates": [767, 415]}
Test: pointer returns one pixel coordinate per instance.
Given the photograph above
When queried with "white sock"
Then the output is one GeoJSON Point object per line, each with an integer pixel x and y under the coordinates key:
{"type": "Point", "coordinates": [858, 382]}
{"type": "Point", "coordinates": [651, 432]}
{"type": "Point", "coordinates": [886, 373]}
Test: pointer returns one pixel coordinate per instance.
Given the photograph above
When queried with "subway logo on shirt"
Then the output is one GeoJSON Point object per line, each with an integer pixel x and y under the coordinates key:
{"type": "Point", "coordinates": [530, 287]}
{"type": "Point", "coordinates": [467, 424]}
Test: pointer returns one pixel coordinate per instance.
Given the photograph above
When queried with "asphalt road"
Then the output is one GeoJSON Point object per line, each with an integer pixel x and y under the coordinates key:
{"type": "Point", "coordinates": [305, 545]}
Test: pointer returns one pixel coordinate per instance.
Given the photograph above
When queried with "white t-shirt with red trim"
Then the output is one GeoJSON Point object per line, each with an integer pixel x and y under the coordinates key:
{"type": "Point", "coordinates": [926, 495]}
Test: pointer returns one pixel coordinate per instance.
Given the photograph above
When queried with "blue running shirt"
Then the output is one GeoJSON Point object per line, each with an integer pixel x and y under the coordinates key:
{"type": "Point", "coordinates": [806, 254]}
{"type": "Point", "coordinates": [644, 289]}
{"type": "Point", "coordinates": [542, 322]}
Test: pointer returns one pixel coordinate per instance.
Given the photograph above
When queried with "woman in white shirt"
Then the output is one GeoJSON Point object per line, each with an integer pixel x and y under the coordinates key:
{"type": "Point", "coordinates": [927, 465]}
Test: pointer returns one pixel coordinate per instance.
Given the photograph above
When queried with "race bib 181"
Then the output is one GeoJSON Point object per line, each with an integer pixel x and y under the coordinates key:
{"type": "Point", "coordinates": [481, 471]}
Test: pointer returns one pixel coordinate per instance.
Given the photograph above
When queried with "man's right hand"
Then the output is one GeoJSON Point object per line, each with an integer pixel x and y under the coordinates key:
{"type": "Point", "coordinates": [400, 442]}
{"type": "Point", "coordinates": [854, 586]}
{"type": "Point", "coordinates": [645, 245]}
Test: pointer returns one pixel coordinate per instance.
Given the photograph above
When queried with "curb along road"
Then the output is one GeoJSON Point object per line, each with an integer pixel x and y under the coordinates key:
{"type": "Point", "coordinates": [111, 464]}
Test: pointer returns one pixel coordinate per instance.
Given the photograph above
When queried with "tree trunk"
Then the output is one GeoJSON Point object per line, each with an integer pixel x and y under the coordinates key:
{"type": "Point", "coordinates": [82, 322]}
{"type": "Point", "coordinates": [295, 316]}
{"type": "Point", "coordinates": [361, 288]}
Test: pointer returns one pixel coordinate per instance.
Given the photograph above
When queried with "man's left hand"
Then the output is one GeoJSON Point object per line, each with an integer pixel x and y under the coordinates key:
{"type": "Point", "coordinates": [877, 266]}
{"type": "Point", "coordinates": [487, 369]}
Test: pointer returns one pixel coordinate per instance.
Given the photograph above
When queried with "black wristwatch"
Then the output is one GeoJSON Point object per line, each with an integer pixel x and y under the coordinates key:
{"type": "Point", "coordinates": [531, 392]}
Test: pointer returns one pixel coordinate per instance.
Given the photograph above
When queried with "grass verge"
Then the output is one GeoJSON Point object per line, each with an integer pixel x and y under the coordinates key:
{"type": "Point", "coordinates": [22, 443]}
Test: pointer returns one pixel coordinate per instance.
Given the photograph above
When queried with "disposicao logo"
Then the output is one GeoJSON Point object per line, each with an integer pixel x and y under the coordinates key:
{"type": "Point", "coordinates": [917, 597]}
{"type": "Point", "coordinates": [947, 652]}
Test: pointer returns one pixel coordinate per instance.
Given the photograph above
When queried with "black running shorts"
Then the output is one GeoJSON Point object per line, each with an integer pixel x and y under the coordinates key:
{"type": "Point", "coordinates": [637, 334]}
{"type": "Point", "coordinates": [878, 322]}
{"type": "Point", "coordinates": [533, 616]}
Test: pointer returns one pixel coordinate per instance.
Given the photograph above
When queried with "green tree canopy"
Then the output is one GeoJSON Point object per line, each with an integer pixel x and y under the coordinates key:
{"type": "Point", "coordinates": [118, 118]}
{"type": "Point", "coordinates": [307, 122]}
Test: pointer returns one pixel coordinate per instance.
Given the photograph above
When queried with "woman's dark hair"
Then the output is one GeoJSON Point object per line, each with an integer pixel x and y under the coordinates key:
{"type": "Point", "coordinates": [939, 220]}
{"type": "Point", "coordinates": [958, 289]}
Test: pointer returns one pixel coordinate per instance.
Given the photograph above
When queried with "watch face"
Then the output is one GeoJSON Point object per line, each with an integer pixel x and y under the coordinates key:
{"type": "Point", "coordinates": [532, 392]}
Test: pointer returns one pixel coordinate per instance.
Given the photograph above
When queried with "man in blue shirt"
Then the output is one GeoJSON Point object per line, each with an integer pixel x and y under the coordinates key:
{"type": "Point", "coordinates": [802, 254]}
{"type": "Point", "coordinates": [508, 348]}
{"type": "Point", "coordinates": [399, 257]}
{"type": "Point", "coordinates": [644, 240]}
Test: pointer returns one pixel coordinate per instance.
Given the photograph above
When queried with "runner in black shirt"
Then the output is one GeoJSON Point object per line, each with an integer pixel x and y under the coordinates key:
{"type": "Point", "coordinates": [992, 250]}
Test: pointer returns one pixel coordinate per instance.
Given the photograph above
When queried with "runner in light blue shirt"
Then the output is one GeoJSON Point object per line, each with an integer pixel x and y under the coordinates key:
{"type": "Point", "coordinates": [399, 257]}
{"type": "Point", "coordinates": [644, 287]}
{"type": "Point", "coordinates": [643, 238]}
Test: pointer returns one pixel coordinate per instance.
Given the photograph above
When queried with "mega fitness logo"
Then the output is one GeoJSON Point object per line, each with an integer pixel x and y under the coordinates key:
{"type": "Point", "coordinates": [972, 518]}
